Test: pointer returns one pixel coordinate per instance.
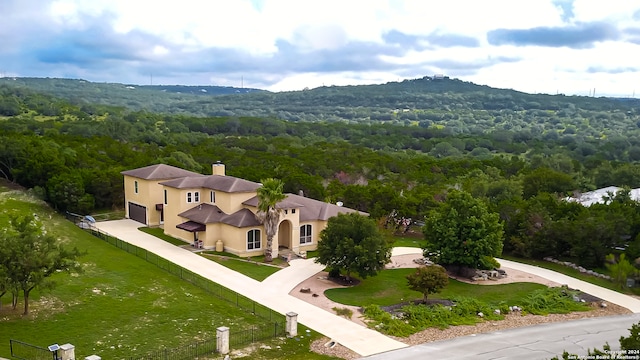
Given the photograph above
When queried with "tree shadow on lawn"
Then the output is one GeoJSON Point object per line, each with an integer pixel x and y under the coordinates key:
{"type": "Point", "coordinates": [342, 280]}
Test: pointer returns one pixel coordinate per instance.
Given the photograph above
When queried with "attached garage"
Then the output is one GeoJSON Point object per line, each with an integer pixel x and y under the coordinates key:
{"type": "Point", "coordinates": [138, 213]}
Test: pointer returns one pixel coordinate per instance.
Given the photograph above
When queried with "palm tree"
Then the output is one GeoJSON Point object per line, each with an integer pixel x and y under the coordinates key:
{"type": "Point", "coordinates": [268, 196]}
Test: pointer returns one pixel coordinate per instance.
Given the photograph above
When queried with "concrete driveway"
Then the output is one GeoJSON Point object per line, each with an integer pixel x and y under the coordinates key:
{"type": "Point", "coordinates": [272, 292]}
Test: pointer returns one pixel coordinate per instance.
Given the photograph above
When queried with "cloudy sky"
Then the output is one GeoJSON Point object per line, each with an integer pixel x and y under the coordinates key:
{"type": "Point", "coordinates": [550, 46]}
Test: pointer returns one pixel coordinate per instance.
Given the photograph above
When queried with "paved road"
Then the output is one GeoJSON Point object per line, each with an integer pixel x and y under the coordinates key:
{"type": "Point", "coordinates": [272, 292]}
{"type": "Point", "coordinates": [534, 342]}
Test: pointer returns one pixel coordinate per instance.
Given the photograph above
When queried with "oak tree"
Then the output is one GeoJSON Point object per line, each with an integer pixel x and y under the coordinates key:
{"type": "Point", "coordinates": [463, 232]}
{"type": "Point", "coordinates": [352, 243]}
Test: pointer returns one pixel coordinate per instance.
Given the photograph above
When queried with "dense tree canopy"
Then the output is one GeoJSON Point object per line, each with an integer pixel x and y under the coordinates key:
{"type": "Point", "coordinates": [387, 148]}
{"type": "Point", "coordinates": [462, 232]}
{"type": "Point", "coordinates": [352, 243]}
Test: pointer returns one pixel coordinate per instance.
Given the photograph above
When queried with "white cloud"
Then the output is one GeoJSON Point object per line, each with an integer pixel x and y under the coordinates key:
{"type": "Point", "coordinates": [292, 44]}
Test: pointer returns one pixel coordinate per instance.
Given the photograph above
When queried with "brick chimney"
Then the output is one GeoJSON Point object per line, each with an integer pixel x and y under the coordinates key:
{"type": "Point", "coordinates": [218, 168]}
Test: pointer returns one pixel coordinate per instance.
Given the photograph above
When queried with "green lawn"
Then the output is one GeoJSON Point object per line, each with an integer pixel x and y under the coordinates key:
{"type": "Point", "coordinates": [255, 270]}
{"type": "Point", "coordinates": [120, 306]}
{"type": "Point", "coordinates": [407, 241]}
{"type": "Point", "coordinates": [159, 233]}
{"type": "Point", "coordinates": [390, 287]}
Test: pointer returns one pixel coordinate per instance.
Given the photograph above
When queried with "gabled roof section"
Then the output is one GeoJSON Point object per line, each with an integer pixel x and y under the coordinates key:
{"type": "Point", "coordinates": [227, 184]}
{"type": "Point", "coordinates": [160, 172]}
{"type": "Point", "coordinates": [310, 209]}
{"type": "Point", "coordinates": [211, 214]}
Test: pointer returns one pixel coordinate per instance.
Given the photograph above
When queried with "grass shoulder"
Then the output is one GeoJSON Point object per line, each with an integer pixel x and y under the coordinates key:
{"type": "Point", "coordinates": [159, 233]}
{"type": "Point", "coordinates": [255, 269]}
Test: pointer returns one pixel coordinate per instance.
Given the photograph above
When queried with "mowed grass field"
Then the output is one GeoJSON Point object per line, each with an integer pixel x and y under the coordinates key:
{"type": "Point", "coordinates": [119, 306]}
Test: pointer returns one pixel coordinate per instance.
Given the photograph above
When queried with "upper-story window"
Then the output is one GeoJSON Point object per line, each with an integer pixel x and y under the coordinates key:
{"type": "Point", "coordinates": [212, 197]}
{"type": "Point", "coordinates": [193, 197]}
{"type": "Point", "coordinates": [305, 234]}
{"type": "Point", "coordinates": [165, 196]}
{"type": "Point", "coordinates": [135, 186]}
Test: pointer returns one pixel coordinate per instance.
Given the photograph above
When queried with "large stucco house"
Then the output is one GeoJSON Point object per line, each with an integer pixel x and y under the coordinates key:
{"type": "Point", "coordinates": [218, 211]}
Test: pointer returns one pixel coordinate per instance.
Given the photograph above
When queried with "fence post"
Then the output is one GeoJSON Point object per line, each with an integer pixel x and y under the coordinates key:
{"type": "Point", "coordinates": [292, 324]}
{"type": "Point", "coordinates": [67, 352]}
{"type": "Point", "coordinates": [222, 340]}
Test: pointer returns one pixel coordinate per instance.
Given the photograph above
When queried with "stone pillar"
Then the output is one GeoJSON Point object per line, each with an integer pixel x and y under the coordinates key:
{"type": "Point", "coordinates": [292, 324]}
{"type": "Point", "coordinates": [93, 357]}
{"type": "Point", "coordinates": [222, 339]}
{"type": "Point", "coordinates": [67, 352]}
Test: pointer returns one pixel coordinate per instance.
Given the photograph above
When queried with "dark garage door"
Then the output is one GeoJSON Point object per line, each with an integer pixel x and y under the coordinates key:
{"type": "Point", "coordinates": [138, 213]}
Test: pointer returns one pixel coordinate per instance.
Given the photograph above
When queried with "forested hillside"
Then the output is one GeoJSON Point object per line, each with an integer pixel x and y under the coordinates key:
{"type": "Point", "coordinates": [71, 153]}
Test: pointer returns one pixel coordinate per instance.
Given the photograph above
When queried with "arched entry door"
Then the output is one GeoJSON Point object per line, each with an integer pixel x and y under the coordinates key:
{"type": "Point", "coordinates": [284, 235]}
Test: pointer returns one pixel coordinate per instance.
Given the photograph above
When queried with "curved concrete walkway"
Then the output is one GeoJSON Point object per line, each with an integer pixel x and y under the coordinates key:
{"type": "Point", "coordinates": [605, 294]}
{"type": "Point", "coordinates": [272, 292]}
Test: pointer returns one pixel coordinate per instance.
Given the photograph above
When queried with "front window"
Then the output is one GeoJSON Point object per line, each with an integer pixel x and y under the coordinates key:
{"type": "Point", "coordinates": [135, 186]}
{"type": "Point", "coordinates": [305, 234]}
{"type": "Point", "coordinates": [253, 240]}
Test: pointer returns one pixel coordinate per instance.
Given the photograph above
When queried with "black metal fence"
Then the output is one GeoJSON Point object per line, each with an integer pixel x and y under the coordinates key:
{"type": "Point", "coordinates": [275, 328]}
{"type": "Point", "coordinates": [215, 289]}
{"type": "Point", "coordinates": [185, 352]}
{"type": "Point", "coordinates": [202, 348]}
{"type": "Point", "coordinates": [255, 334]}
{"type": "Point", "coordinates": [24, 351]}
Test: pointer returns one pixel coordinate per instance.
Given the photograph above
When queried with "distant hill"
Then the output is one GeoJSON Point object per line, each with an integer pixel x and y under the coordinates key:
{"type": "Point", "coordinates": [426, 101]}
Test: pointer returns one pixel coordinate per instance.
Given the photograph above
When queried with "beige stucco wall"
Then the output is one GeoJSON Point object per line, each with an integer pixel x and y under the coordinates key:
{"type": "Point", "coordinates": [235, 240]}
{"type": "Point", "coordinates": [149, 194]}
{"type": "Point", "coordinates": [171, 218]}
{"type": "Point", "coordinates": [231, 202]}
